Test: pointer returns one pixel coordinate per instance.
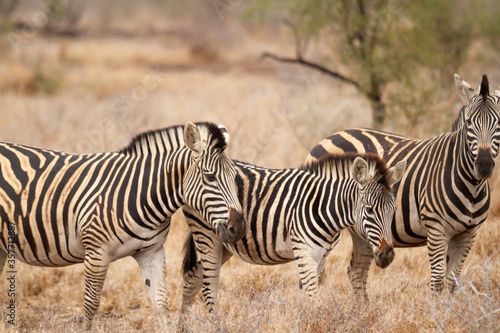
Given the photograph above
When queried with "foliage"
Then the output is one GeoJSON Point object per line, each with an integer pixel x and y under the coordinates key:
{"type": "Point", "coordinates": [69, 11]}
{"type": "Point", "coordinates": [47, 82]}
{"type": "Point", "coordinates": [386, 41]}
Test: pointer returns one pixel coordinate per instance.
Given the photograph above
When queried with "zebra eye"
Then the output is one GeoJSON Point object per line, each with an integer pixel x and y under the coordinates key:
{"type": "Point", "coordinates": [369, 210]}
{"type": "Point", "coordinates": [468, 122]}
{"type": "Point", "coordinates": [210, 177]}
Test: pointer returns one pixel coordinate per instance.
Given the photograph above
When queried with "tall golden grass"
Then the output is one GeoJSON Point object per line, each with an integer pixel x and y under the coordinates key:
{"type": "Point", "coordinates": [105, 90]}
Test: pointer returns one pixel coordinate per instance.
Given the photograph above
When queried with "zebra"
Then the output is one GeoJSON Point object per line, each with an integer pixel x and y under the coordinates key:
{"type": "Point", "coordinates": [444, 195]}
{"type": "Point", "coordinates": [296, 214]}
{"type": "Point", "coordinates": [97, 208]}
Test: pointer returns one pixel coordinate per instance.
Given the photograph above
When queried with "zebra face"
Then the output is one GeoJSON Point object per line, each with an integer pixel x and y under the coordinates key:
{"type": "Point", "coordinates": [377, 211]}
{"type": "Point", "coordinates": [218, 191]}
{"type": "Point", "coordinates": [209, 186]}
{"type": "Point", "coordinates": [482, 129]}
{"type": "Point", "coordinates": [376, 207]}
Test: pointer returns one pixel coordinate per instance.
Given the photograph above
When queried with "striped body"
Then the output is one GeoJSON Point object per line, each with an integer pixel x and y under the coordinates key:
{"type": "Point", "coordinates": [58, 201]}
{"type": "Point", "coordinates": [418, 194]}
{"type": "Point", "coordinates": [295, 214]}
{"type": "Point", "coordinates": [443, 197]}
{"type": "Point", "coordinates": [97, 208]}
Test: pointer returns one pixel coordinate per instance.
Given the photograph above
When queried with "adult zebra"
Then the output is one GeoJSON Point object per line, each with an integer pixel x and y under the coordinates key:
{"type": "Point", "coordinates": [444, 196]}
{"type": "Point", "coordinates": [296, 214]}
{"type": "Point", "coordinates": [58, 209]}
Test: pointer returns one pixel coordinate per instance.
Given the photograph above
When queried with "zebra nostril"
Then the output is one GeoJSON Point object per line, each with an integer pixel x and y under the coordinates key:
{"type": "Point", "coordinates": [230, 231]}
{"type": "Point", "coordinates": [221, 232]}
{"type": "Point", "coordinates": [235, 228]}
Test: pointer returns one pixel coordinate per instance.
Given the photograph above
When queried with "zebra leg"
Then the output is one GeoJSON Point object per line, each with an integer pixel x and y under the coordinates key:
{"type": "Point", "coordinates": [204, 274]}
{"type": "Point", "coordinates": [458, 250]}
{"type": "Point", "coordinates": [209, 252]}
{"type": "Point", "coordinates": [361, 259]}
{"type": "Point", "coordinates": [152, 266]}
{"type": "Point", "coordinates": [322, 263]}
{"type": "Point", "coordinates": [321, 268]}
{"type": "Point", "coordinates": [192, 273]}
{"type": "Point", "coordinates": [211, 262]}
{"type": "Point", "coordinates": [307, 265]}
{"type": "Point", "coordinates": [193, 280]}
{"type": "Point", "coordinates": [95, 269]}
{"type": "Point", "coordinates": [437, 243]}
{"type": "Point", "coordinates": [308, 273]}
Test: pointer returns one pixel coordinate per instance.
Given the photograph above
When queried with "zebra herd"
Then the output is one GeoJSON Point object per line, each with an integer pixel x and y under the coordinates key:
{"type": "Point", "coordinates": [58, 209]}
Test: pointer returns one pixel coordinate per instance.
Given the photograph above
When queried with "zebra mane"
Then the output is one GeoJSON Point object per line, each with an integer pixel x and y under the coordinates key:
{"type": "Point", "coordinates": [339, 165]}
{"type": "Point", "coordinates": [485, 89]}
{"type": "Point", "coordinates": [173, 138]}
{"type": "Point", "coordinates": [459, 122]}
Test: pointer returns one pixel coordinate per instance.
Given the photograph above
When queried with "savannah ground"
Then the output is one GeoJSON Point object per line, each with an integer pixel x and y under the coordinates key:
{"type": "Point", "coordinates": [135, 70]}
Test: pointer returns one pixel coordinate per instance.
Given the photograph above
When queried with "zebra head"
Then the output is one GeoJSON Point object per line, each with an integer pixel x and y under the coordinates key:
{"type": "Point", "coordinates": [209, 184]}
{"type": "Point", "coordinates": [376, 204]}
{"type": "Point", "coordinates": [481, 118]}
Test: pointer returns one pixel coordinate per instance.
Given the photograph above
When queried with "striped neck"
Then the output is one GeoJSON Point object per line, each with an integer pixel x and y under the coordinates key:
{"type": "Point", "coordinates": [463, 161]}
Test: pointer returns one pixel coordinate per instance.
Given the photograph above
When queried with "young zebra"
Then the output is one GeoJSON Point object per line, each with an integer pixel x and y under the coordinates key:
{"type": "Point", "coordinates": [296, 214]}
{"type": "Point", "coordinates": [443, 197]}
{"type": "Point", "coordinates": [58, 209]}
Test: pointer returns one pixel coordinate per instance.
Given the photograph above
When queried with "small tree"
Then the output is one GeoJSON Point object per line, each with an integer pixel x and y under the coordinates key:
{"type": "Point", "coordinates": [380, 42]}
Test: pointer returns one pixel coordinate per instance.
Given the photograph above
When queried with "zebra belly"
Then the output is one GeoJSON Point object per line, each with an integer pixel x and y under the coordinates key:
{"type": "Point", "coordinates": [247, 249]}
{"type": "Point", "coordinates": [132, 246]}
{"type": "Point", "coordinates": [36, 244]}
{"type": "Point", "coordinates": [48, 255]}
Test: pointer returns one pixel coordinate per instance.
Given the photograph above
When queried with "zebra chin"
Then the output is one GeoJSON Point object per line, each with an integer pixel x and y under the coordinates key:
{"type": "Point", "coordinates": [234, 230]}
{"type": "Point", "coordinates": [385, 254]}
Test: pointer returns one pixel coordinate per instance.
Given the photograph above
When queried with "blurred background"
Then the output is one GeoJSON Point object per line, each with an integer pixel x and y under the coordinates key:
{"type": "Point", "coordinates": [86, 76]}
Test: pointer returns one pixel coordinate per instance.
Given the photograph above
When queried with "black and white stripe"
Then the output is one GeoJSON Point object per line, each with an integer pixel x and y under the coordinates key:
{"type": "Point", "coordinates": [296, 214]}
{"type": "Point", "coordinates": [98, 208]}
{"type": "Point", "coordinates": [444, 196]}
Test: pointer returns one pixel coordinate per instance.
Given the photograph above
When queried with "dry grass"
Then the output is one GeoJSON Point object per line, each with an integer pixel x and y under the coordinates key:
{"type": "Point", "coordinates": [108, 89]}
{"type": "Point", "coordinates": [267, 299]}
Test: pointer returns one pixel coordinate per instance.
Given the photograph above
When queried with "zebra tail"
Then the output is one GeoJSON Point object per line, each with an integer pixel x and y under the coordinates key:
{"type": "Point", "coordinates": [190, 257]}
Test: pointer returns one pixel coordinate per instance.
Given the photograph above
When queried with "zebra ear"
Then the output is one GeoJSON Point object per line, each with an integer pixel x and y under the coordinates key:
{"type": "Point", "coordinates": [497, 92]}
{"type": "Point", "coordinates": [192, 138]}
{"type": "Point", "coordinates": [464, 89]}
{"type": "Point", "coordinates": [360, 171]}
{"type": "Point", "coordinates": [397, 172]}
{"type": "Point", "coordinates": [224, 133]}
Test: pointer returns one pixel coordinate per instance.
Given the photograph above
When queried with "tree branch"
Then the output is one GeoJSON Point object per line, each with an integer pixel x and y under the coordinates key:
{"type": "Point", "coordinates": [300, 48]}
{"type": "Point", "coordinates": [315, 66]}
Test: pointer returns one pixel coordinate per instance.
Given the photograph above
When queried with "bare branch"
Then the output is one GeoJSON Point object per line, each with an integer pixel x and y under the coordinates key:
{"type": "Point", "coordinates": [306, 63]}
{"type": "Point", "coordinates": [298, 45]}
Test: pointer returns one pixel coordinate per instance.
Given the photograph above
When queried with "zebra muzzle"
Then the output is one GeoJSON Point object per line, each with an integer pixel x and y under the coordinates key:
{"type": "Point", "coordinates": [385, 254]}
{"type": "Point", "coordinates": [235, 228]}
{"type": "Point", "coordinates": [485, 164]}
